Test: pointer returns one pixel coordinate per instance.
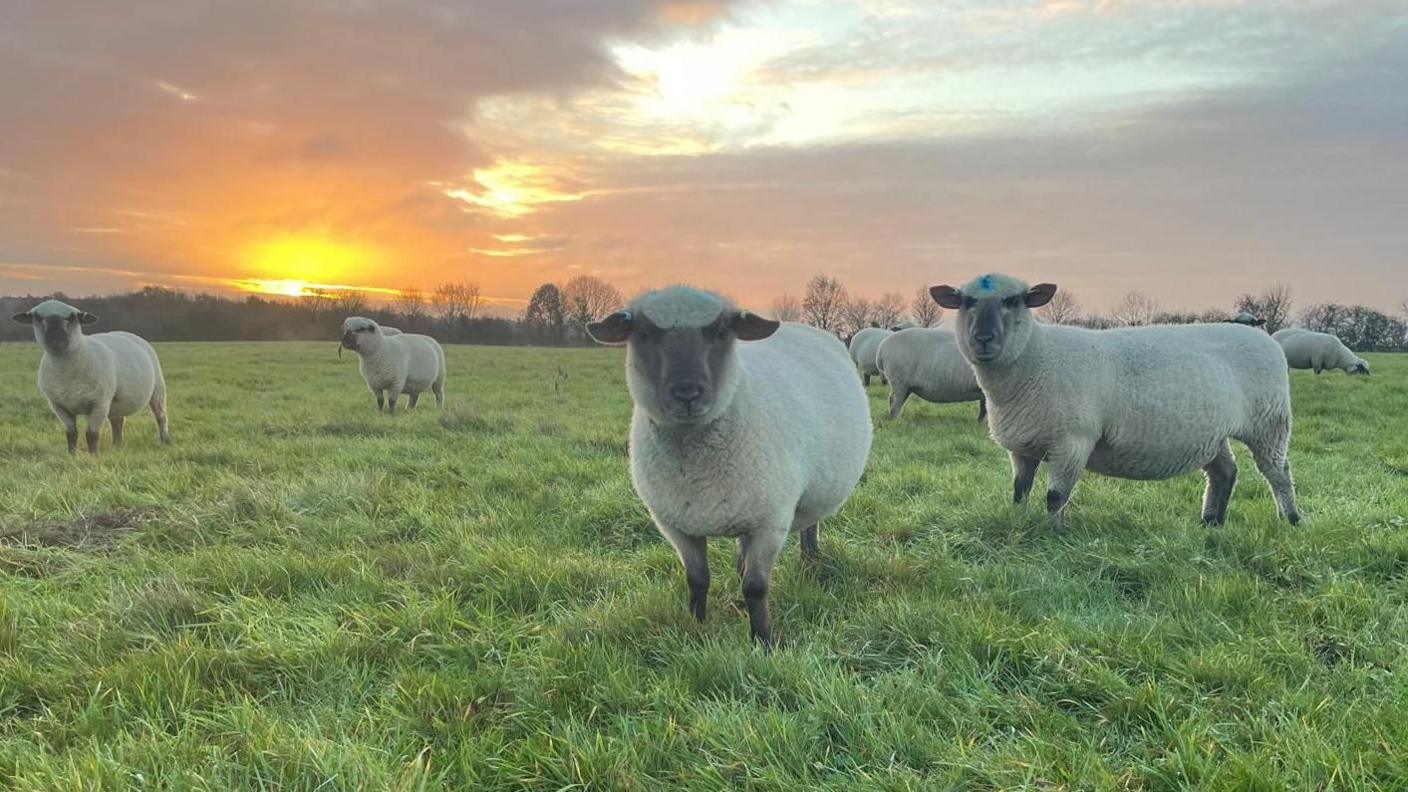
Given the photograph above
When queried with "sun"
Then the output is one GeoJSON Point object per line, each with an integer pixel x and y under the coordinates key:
{"type": "Point", "coordinates": [286, 288]}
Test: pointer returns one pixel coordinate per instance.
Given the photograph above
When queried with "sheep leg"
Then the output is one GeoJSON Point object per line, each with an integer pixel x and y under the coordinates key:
{"type": "Point", "coordinates": [1023, 474]}
{"type": "Point", "coordinates": [411, 401]}
{"type": "Point", "coordinates": [898, 394]}
{"type": "Point", "coordinates": [116, 422]}
{"type": "Point", "coordinates": [1276, 469]}
{"type": "Point", "coordinates": [70, 427]}
{"type": "Point", "coordinates": [763, 549]}
{"type": "Point", "coordinates": [982, 407]}
{"type": "Point", "coordinates": [380, 400]}
{"type": "Point", "coordinates": [393, 395]}
{"type": "Point", "coordinates": [741, 556]}
{"type": "Point", "coordinates": [1221, 473]}
{"type": "Point", "coordinates": [810, 546]}
{"type": "Point", "coordinates": [1063, 471]}
{"type": "Point", "coordinates": [694, 556]}
{"type": "Point", "coordinates": [866, 379]}
{"type": "Point", "coordinates": [95, 430]}
{"type": "Point", "coordinates": [438, 388]}
{"type": "Point", "coordinates": [158, 405]}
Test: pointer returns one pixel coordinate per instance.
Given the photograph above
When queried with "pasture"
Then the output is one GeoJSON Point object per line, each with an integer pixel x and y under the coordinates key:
{"type": "Point", "coordinates": [302, 593]}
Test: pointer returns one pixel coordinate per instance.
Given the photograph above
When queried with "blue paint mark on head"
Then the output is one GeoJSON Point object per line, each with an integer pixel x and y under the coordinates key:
{"type": "Point", "coordinates": [985, 283]}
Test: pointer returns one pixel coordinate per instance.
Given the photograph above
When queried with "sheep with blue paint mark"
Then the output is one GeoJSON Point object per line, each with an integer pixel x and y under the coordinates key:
{"type": "Point", "coordinates": [743, 427]}
{"type": "Point", "coordinates": [1138, 402]}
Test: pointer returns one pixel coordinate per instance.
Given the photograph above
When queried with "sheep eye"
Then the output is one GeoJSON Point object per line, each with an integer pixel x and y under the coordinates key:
{"type": "Point", "coordinates": [1012, 302]}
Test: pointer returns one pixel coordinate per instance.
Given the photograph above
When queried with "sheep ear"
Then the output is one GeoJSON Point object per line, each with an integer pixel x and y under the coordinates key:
{"type": "Point", "coordinates": [1040, 294]}
{"type": "Point", "coordinates": [86, 318]}
{"type": "Point", "coordinates": [947, 296]}
{"type": "Point", "coordinates": [1258, 323]}
{"type": "Point", "coordinates": [749, 326]}
{"type": "Point", "coordinates": [614, 329]}
{"type": "Point", "coordinates": [24, 317]}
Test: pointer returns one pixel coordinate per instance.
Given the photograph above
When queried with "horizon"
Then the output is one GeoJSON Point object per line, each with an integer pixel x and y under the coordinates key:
{"type": "Point", "coordinates": [1191, 151]}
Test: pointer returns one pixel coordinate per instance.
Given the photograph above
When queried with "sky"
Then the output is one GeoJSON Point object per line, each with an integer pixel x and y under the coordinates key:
{"type": "Point", "coordinates": [1187, 149]}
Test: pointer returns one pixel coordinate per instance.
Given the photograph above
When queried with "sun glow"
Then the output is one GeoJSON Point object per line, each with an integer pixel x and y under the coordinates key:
{"type": "Point", "coordinates": [307, 265]}
{"type": "Point", "coordinates": [298, 288]}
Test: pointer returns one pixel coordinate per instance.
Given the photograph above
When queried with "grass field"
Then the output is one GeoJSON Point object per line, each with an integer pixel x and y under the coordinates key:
{"type": "Point", "coordinates": [301, 593]}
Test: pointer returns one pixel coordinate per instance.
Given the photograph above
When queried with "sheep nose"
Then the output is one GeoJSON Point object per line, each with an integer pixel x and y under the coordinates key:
{"type": "Point", "coordinates": [687, 391]}
{"type": "Point", "coordinates": [984, 338]}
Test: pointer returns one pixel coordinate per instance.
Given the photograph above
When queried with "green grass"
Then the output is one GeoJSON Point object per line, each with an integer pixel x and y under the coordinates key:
{"type": "Point", "coordinates": [301, 593]}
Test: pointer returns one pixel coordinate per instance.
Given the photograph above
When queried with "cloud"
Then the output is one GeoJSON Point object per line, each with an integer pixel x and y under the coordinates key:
{"type": "Point", "coordinates": [1302, 180]}
{"type": "Point", "coordinates": [248, 120]}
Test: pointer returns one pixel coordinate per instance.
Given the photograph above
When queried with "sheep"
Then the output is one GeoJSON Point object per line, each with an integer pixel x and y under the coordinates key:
{"type": "Point", "coordinates": [392, 364]}
{"type": "Point", "coordinates": [1247, 318]}
{"type": "Point", "coordinates": [105, 376]}
{"type": "Point", "coordinates": [862, 348]}
{"type": "Point", "coordinates": [388, 330]}
{"type": "Point", "coordinates": [1139, 402]}
{"type": "Point", "coordinates": [748, 440]}
{"type": "Point", "coordinates": [1307, 349]}
{"type": "Point", "coordinates": [926, 362]}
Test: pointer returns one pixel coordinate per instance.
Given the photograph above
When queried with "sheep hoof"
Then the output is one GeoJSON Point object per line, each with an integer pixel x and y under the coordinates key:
{"type": "Point", "coordinates": [763, 639]}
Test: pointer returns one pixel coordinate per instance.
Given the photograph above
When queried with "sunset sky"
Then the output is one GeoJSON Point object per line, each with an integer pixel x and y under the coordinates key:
{"type": "Point", "coordinates": [1189, 149]}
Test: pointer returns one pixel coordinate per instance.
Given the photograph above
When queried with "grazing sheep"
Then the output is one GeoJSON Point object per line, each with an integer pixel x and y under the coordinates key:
{"type": "Point", "coordinates": [106, 376]}
{"type": "Point", "coordinates": [1138, 402]}
{"type": "Point", "coordinates": [388, 330]}
{"type": "Point", "coordinates": [392, 364]}
{"type": "Point", "coordinates": [748, 440]}
{"type": "Point", "coordinates": [1247, 318]}
{"type": "Point", "coordinates": [863, 347]}
{"type": "Point", "coordinates": [926, 362]}
{"type": "Point", "coordinates": [1307, 349]}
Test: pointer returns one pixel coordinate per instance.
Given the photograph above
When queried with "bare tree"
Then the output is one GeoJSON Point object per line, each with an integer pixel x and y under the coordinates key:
{"type": "Point", "coordinates": [350, 302]}
{"type": "Point", "coordinates": [889, 309]}
{"type": "Point", "coordinates": [1273, 306]}
{"type": "Point", "coordinates": [456, 300]}
{"type": "Point", "coordinates": [326, 302]}
{"type": "Point", "coordinates": [923, 310]}
{"type": "Point", "coordinates": [858, 312]}
{"type": "Point", "coordinates": [1064, 308]}
{"type": "Point", "coordinates": [410, 303]}
{"type": "Point", "coordinates": [787, 309]}
{"type": "Point", "coordinates": [586, 298]}
{"type": "Point", "coordinates": [825, 303]}
{"type": "Point", "coordinates": [1134, 309]}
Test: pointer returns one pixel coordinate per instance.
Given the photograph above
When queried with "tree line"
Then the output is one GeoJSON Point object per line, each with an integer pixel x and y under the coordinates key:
{"type": "Point", "coordinates": [1360, 327]}
{"type": "Point", "coordinates": [452, 313]}
{"type": "Point", "coordinates": [556, 314]}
